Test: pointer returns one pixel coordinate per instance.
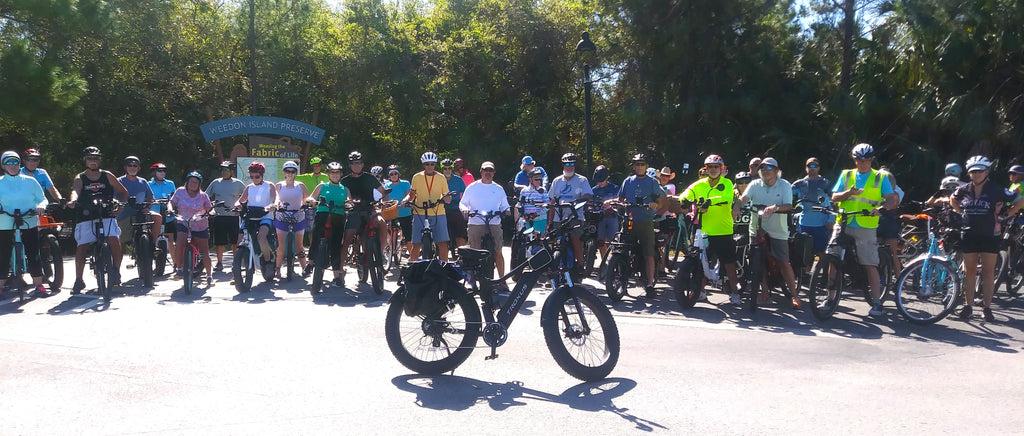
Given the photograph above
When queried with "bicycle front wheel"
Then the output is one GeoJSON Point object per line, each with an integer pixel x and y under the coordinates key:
{"type": "Point", "coordinates": [580, 333]}
{"type": "Point", "coordinates": [826, 287]}
{"type": "Point", "coordinates": [104, 264]}
{"type": "Point", "coordinates": [242, 270]}
{"type": "Point", "coordinates": [52, 259]}
{"type": "Point", "coordinates": [144, 260]}
{"type": "Point", "coordinates": [188, 268]}
{"type": "Point", "coordinates": [688, 282]}
{"type": "Point", "coordinates": [160, 258]}
{"type": "Point", "coordinates": [616, 279]}
{"type": "Point", "coordinates": [434, 344]}
{"type": "Point", "coordinates": [375, 266]}
{"type": "Point", "coordinates": [927, 291]}
{"type": "Point", "coordinates": [320, 262]}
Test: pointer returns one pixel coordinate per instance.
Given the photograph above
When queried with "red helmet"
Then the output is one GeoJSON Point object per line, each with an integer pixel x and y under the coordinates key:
{"type": "Point", "coordinates": [158, 166]}
{"type": "Point", "coordinates": [257, 167]}
{"type": "Point", "coordinates": [33, 152]}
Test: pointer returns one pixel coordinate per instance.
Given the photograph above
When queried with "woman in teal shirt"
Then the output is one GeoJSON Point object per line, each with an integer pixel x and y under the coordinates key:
{"type": "Point", "coordinates": [399, 187]}
{"type": "Point", "coordinates": [20, 192]}
{"type": "Point", "coordinates": [333, 192]}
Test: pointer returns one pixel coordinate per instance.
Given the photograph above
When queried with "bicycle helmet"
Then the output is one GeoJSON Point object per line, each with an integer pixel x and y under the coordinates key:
{"type": "Point", "coordinates": [290, 165]}
{"type": "Point", "coordinates": [536, 172]}
{"type": "Point", "coordinates": [257, 167]}
{"type": "Point", "coordinates": [652, 173]}
{"type": "Point", "coordinates": [314, 161]}
{"type": "Point", "coordinates": [978, 163]}
{"type": "Point", "coordinates": [569, 158]}
{"type": "Point", "coordinates": [91, 150]}
{"type": "Point", "coordinates": [196, 175]}
{"type": "Point", "coordinates": [601, 173]}
{"type": "Point", "coordinates": [428, 157]}
{"type": "Point", "coordinates": [224, 165]}
{"type": "Point", "coordinates": [394, 168]}
{"type": "Point", "coordinates": [10, 155]}
{"type": "Point", "coordinates": [447, 163]}
{"type": "Point", "coordinates": [950, 182]}
{"type": "Point", "coordinates": [354, 156]}
{"type": "Point", "coordinates": [640, 157]}
{"type": "Point", "coordinates": [713, 159]}
{"type": "Point", "coordinates": [334, 166]}
{"type": "Point", "coordinates": [130, 159]}
{"type": "Point", "coordinates": [954, 169]}
{"type": "Point", "coordinates": [161, 166]}
{"type": "Point", "coordinates": [863, 151]}
{"type": "Point", "coordinates": [458, 163]}
{"type": "Point", "coordinates": [742, 177]}
{"type": "Point", "coordinates": [376, 170]}
{"type": "Point", "coordinates": [33, 152]}
{"type": "Point", "coordinates": [1016, 169]}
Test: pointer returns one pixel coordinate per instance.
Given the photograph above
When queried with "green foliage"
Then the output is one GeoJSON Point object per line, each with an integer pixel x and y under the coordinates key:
{"type": "Point", "coordinates": [932, 81]}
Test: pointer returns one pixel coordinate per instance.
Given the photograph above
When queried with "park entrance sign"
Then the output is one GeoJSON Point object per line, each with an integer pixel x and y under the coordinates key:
{"type": "Point", "coordinates": [272, 152]}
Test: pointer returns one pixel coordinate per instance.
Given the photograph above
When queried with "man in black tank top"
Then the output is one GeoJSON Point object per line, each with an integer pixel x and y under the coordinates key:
{"type": "Point", "coordinates": [91, 184]}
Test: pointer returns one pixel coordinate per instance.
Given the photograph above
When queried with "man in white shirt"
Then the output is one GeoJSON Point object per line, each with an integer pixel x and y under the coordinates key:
{"type": "Point", "coordinates": [486, 196]}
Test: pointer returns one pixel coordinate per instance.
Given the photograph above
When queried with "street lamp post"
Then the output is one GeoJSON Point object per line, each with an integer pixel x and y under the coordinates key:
{"type": "Point", "coordinates": [586, 46]}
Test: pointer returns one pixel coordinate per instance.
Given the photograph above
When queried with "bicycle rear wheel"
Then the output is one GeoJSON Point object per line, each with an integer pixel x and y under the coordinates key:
{"type": "Point", "coordinates": [589, 256]}
{"type": "Point", "coordinates": [160, 258]}
{"type": "Point", "coordinates": [52, 260]}
{"type": "Point", "coordinates": [752, 275]}
{"type": "Point", "coordinates": [925, 295]}
{"type": "Point", "coordinates": [375, 266]}
{"type": "Point", "coordinates": [616, 279]}
{"type": "Point", "coordinates": [19, 269]}
{"type": "Point", "coordinates": [1015, 270]}
{"type": "Point", "coordinates": [885, 276]}
{"type": "Point", "coordinates": [241, 270]}
{"type": "Point", "coordinates": [427, 251]}
{"type": "Point", "coordinates": [824, 291]}
{"type": "Point", "coordinates": [434, 344]}
{"type": "Point", "coordinates": [580, 333]}
{"type": "Point", "coordinates": [688, 282]}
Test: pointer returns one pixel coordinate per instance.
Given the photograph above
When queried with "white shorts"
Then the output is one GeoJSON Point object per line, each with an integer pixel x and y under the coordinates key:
{"type": "Point", "coordinates": [85, 234]}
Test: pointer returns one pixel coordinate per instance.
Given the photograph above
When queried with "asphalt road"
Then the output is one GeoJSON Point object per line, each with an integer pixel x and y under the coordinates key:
{"type": "Point", "coordinates": [277, 361]}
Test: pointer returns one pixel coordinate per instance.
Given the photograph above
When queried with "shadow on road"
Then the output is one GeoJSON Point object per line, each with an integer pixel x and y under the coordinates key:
{"type": "Point", "coordinates": [446, 392]}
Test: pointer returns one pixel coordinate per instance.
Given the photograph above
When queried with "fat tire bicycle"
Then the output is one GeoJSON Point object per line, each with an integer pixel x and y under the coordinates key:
{"type": "Point", "coordinates": [192, 258]}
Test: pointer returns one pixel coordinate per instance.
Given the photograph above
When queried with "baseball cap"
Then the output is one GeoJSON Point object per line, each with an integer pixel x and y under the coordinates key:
{"type": "Point", "coordinates": [769, 161]}
{"type": "Point", "coordinates": [812, 160]}
{"type": "Point", "coordinates": [487, 164]}
{"type": "Point", "coordinates": [527, 160]}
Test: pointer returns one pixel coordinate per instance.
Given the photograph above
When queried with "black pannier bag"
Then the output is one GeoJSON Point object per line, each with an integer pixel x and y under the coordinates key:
{"type": "Point", "coordinates": [801, 250]}
{"type": "Point", "coordinates": [428, 284]}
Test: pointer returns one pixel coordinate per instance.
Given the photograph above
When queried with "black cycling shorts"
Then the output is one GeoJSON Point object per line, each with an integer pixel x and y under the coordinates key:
{"type": "Point", "coordinates": [722, 248]}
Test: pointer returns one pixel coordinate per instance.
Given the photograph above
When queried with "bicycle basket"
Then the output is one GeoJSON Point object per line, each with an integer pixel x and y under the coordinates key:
{"type": "Point", "coordinates": [389, 213]}
{"type": "Point", "coordinates": [427, 285]}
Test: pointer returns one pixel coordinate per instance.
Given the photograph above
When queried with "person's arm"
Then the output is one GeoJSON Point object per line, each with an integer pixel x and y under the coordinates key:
{"type": "Point", "coordinates": [314, 196]}
{"type": "Point", "coordinates": [244, 198]}
{"type": "Point", "coordinates": [117, 186]}
{"type": "Point", "coordinates": [1016, 206]}
{"type": "Point", "coordinates": [954, 202]}
{"type": "Point", "coordinates": [76, 187]}
{"type": "Point", "coordinates": [38, 196]}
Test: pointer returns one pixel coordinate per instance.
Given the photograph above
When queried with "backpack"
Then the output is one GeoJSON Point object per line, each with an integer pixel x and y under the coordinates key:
{"type": "Point", "coordinates": [428, 284]}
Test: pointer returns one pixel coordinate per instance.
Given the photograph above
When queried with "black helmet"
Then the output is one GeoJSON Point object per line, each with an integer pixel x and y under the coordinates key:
{"type": "Point", "coordinates": [569, 158]}
{"type": "Point", "coordinates": [354, 156]}
{"type": "Point", "coordinates": [130, 159]}
{"type": "Point", "coordinates": [640, 157]}
{"type": "Point", "coordinates": [91, 150]}
{"type": "Point", "coordinates": [743, 177]}
{"type": "Point", "coordinates": [536, 172]}
{"type": "Point", "coordinates": [601, 173]}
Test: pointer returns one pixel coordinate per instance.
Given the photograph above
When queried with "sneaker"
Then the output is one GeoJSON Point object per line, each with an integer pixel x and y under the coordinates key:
{"type": "Point", "coordinates": [115, 278]}
{"type": "Point", "coordinates": [876, 310]}
{"type": "Point", "coordinates": [650, 292]}
{"type": "Point", "coordinates": [703, 296]}
{"type": "Point", "coordinates": [988, 314]}
{"type": "Point", "coordinates": [219, 267]}
{"type": "Point", "coordinates": [79, 286]}
{"type": "Point", "coordinates": [338, 281]}
{"type": "Point", "coordinates": [965, 313]}
{"type": "Point", "coordinates": [42, 291]}
{"type": "Point", "coordinates": [795, 303]}
{"type": "Point", "coordinates": [735, 300]}
{"type": "Point", "coordinates": [177, 274]}
{"type": "Point", "coordinates": [308, 270]}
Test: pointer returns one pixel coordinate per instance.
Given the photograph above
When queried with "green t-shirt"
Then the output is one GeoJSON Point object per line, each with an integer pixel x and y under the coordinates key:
{"type": "Point", "coordinates": [718, 219]}
{"type": "Point", "coordinates": [336, 193]}
{"type": "Point", "coordinates": [311, 181]}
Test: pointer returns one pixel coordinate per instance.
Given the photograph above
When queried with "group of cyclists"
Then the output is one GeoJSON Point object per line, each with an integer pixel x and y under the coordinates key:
{"type": "Point", "coordinates": [447, 201]}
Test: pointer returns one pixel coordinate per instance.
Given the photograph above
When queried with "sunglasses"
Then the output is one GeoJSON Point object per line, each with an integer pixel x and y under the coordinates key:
{"type": "Point", "coordinates": [32, 159]}
{"type": "Point", "coordinates": [132, 165]}
{"type": "Point", "coordinates": [767, 167]}
{"type": "Point", "coordinates": [393, 173]}
{"type": "Point", "coordinates": [290, 171]}
{"type": "Point", "coordinates": [355, 162]}
{"type": "Point", "coordinates": [812, 165]}
{"type": "Point", "coordinates": [976, 171]}
{"type": "Point", "coordinates": [709, 166]}
{"type": "Point", "coordinates": [487, 170]}
{"type": "Point", "coordinates": [429, 164]}
{"type": "Point", "coordinates": [159, 171]}
{"type": "Point", "coordinates": [255, 175]}
{"type": "Point", "coordinates": [569, 164]}
{"type": "Point", "coordinates": [12, 162]}
{"type": "Point", "coordinates": [639, 164]}
{"type": "Point", "coordinates": [537, 180]}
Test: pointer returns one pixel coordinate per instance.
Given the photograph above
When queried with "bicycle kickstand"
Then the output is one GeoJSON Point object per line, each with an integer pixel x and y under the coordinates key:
{"type": "Point", "coordinates": [493, 354]}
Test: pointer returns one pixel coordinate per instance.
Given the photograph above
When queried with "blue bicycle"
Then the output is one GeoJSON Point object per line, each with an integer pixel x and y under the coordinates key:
{"type": "Point", "coordinates": [928, 289]}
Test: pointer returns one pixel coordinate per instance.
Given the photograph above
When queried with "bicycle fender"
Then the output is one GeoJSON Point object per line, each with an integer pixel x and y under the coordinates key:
{"type": "Point", "coordinates": [550, 310]}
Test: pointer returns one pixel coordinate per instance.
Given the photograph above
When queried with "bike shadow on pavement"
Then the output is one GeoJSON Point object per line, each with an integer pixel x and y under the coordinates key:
{"type": "Point", "coordinates": [351, 295]}
{"type": "Point", "coordinates": [78, 304]}
{"type": "Point", "coordinates": [258, 294]}
{"type": "Point", "coordinates": [450, 392]}
{"type": "Point", "coordinates": [975, 332]}
{"type": "Point", "coordinates": [180, 297]}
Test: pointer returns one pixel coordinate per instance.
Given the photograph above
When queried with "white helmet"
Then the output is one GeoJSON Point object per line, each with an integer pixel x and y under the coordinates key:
{"type": "Point", "coordinates": [428, 157]}
{"type": "Point", "coordinates": [953, 169]}
{"type": "Point", "coordinates": [291, 164]}
{"type": "Point", "coordinates": [8, 155]}
{"type": "Point", "coordinates": [978, 163]}
{"type": "Point", "coordinates": [334, 166]}
{"type": "Point", "coordinates": [863, 151]}
{"type": "Point", "coordinates": [950, 182]}
{"type": "Point", "coordinates": [652, 173]}
{"type": "Point", "coordinates": [714, 159]}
